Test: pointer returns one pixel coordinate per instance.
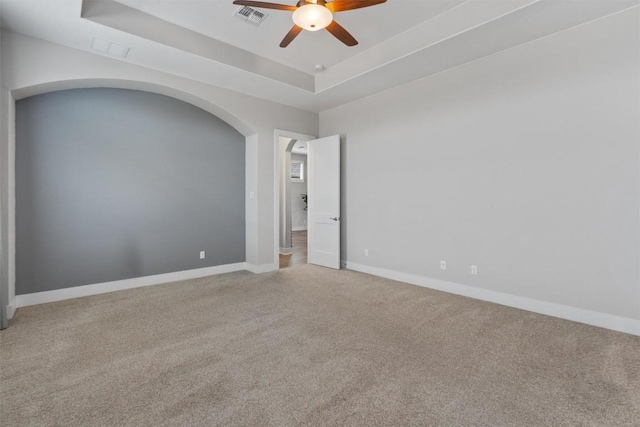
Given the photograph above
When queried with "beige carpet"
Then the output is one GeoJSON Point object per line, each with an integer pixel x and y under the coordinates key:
{"type": "Point", "coordinates": [309, 346]}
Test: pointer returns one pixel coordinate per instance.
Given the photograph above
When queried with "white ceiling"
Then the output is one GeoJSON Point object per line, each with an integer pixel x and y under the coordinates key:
{"type": "Point", "coordinates": [369, 26]}
{"type": "Point", "coordinates": [400, 41]}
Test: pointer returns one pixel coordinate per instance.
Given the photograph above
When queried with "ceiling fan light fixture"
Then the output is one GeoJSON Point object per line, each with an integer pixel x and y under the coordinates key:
{"type": "Point", "coordinates": [312, 17]}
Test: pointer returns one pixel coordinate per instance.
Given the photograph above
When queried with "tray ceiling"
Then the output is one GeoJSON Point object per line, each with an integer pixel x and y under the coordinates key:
{"type": "Point", "coordinates": [400, 41]}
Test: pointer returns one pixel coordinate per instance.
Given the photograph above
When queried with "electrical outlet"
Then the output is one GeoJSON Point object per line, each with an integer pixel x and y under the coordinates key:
{"type": "Point", "coordinates": [443, 265]}
{"type": "Point", "coordinates": [366, 252]}
{"type": "Point", "coordinates": [474, 270]}
{"type": "Point", "coordinates": [201, 254]}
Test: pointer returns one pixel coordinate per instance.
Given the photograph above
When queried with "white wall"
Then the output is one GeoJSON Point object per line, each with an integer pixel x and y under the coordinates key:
{"type": "Point", "coordinates": [32, 66]}
{"type": "Point", "coordinates": [298, 214]}
{"type": "Point", "coordinates": [7, 193]}
{"type": "Point", "coordinates": [525, 163]}
{"type": "Point", "coordinates": [284, 153]}
{"type": "Point", "coordinates": [4, 288]}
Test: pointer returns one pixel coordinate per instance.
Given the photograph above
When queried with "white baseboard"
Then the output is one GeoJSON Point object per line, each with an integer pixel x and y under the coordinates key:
{"type": "Point", "coordinates": [594, 318]}
{"type": "Point", "coordinates": [301, 228]}
{"type": "Point", "coordinates": [286, 250]}
{"type": "Point", "coordinates": [118, 285]}
{"type": "Point", "coordinates": [262, 268]}
{"type": "Point", "coordinates": [11, 309]}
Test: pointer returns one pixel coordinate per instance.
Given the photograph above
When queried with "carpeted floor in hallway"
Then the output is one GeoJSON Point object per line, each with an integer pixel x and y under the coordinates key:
{"type": "Point", "coordinates": [309, 346]}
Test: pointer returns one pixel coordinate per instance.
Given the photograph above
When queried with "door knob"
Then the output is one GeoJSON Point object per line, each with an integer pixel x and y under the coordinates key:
{"type": "Point", "coordinates": [335, 218]}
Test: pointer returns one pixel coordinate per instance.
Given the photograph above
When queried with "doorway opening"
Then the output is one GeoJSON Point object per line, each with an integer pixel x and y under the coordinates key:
{"type": "Point", "coordinates": [298, 254]}
{"type": "Point", "coordinates": [323, 189]}
{"type": "Point", "coordinates": [293, 202]}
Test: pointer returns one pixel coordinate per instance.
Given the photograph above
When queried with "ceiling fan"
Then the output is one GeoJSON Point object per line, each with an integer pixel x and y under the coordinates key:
{"type": "Point", "coordinates": [314, 15]}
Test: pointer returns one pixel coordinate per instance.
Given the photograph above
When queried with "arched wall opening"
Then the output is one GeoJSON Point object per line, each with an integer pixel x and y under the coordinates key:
{"type": "Point", "coordinates": [247, 133]}
{"type": "Point", "coordinates": [190, 98]}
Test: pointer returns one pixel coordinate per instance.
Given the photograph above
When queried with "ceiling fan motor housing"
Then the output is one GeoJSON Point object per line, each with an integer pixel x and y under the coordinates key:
{"type": "Point", "coordinates": [312, 17]}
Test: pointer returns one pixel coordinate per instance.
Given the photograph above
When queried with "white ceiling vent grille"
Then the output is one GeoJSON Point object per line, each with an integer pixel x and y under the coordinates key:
{"type": "Point", "coordinates": [251, 15]}
{"type": "Point", "coordinates": [109, 48]}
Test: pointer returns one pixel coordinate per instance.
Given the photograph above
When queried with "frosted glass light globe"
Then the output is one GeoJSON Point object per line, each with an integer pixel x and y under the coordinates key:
{"type": "Point", "coordinates": [312, 17]}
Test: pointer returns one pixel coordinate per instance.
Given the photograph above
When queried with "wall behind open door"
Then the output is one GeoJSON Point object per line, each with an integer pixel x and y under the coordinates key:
{"type": "Point", "coordinates": [324, 201]}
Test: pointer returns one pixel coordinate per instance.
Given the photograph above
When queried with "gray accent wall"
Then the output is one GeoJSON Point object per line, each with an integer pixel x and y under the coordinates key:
{"type": "Point", "coordinates": [114, 184]}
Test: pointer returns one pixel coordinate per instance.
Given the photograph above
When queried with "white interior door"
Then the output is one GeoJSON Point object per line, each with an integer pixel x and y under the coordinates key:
{"type": "Point", "coordinates": [323, 160]}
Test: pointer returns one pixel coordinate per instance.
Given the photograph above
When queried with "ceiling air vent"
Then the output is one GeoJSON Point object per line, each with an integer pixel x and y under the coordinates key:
{"type": "Point", "coordinates": [109, 48]}
{"type": "Point", "coordinates": [250, 15]}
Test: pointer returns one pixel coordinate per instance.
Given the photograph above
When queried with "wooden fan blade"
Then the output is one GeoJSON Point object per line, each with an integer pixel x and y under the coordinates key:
{"type": "Point", "coordinates": [265, 5]}
{"type": "Point", "coordinates": [342, 5]}
{"type": "Point", "coordinates": [341, 34]}
{"type": "Point", "coordinates": [292, 34]}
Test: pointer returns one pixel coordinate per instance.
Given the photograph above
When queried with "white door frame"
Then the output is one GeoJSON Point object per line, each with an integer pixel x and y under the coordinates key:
{"type": "Point", "coordinates": [276, 185]}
